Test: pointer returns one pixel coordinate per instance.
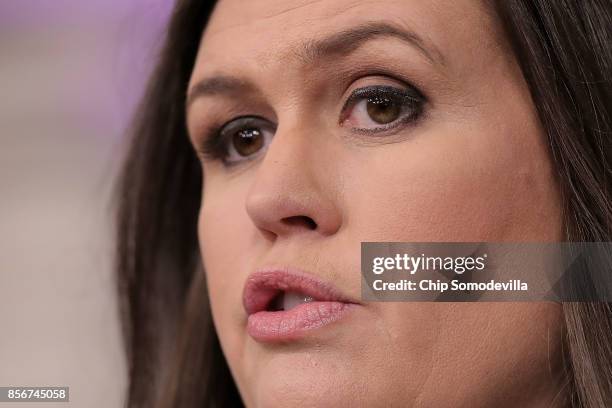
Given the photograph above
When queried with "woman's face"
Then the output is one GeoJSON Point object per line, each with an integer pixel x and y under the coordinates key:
{"type": "Point", "coordinates": [322, 124]}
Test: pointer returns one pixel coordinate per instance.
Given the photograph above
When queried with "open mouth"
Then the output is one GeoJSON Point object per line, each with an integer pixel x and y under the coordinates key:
{"type": "Point", "coordinates": [284, 305]}
{"type": "Point", "coordinates": [288, 301]}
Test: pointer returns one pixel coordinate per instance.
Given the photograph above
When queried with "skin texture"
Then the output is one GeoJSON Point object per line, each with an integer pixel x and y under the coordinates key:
{"type": "Point", "coordinates": [474, 167]}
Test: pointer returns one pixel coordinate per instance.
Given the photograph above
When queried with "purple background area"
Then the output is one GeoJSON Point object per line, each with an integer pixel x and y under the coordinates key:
{"type": "Point", "coordinates": [100, 51]}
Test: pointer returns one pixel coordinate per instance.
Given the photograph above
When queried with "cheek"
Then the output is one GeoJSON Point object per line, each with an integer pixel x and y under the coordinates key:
{"type": "Point", "coordinates": [518, 342]}
{"type": "Point", "coordinates": [482, 181]}
{"type": "Point", "coordinates": [226, 264]}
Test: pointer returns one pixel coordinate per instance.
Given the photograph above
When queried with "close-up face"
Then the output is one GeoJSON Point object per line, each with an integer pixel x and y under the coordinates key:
{"type": "Point", "coordinates": [324, 124]}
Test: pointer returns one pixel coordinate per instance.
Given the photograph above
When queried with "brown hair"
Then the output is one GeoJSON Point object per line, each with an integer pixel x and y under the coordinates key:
{"type": "Point", "coordinates": [564, 49]}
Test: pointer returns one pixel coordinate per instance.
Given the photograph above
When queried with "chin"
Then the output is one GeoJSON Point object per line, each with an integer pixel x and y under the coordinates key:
{"type": "Point", "coordinates": [304, 379]}
{"type": "Point", "coordinates": [321, 379]}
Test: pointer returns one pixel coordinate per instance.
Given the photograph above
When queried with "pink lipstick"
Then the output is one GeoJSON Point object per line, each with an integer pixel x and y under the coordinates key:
{"type": "Point", "coordinates": [284, 305]}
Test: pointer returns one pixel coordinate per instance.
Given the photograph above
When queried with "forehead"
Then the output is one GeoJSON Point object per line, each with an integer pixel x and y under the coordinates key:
{"type": "Point", "coordinates": [266, 33]}
{"type": "Point", "coordinates": [271, 22]}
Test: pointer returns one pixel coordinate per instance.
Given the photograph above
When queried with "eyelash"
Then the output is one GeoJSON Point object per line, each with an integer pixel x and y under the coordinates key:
{"type": "Point", "coordinates": [409, 98]}
{"type": "Point", "coordinates": [216, 139]}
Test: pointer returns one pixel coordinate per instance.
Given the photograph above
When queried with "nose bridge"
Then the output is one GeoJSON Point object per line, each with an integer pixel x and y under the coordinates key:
{"type": "Point", "coordinates": [288, 158]}
{"type": "Point", "coordinates": [289, 193]}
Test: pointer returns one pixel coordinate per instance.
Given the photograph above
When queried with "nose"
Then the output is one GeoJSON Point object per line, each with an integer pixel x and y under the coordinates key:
{"type": "Point", "coordinates": [293, 192]}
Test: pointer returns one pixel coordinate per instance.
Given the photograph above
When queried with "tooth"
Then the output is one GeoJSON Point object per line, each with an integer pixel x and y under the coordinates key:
{"type": "Point", "coordinates": [293, 299]}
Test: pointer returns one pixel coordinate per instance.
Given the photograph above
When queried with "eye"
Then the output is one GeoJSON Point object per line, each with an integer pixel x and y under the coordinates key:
{"type": "Point", "coordinates": [379, 108]}
{"type": "Point", "coordinates": [241, 139]}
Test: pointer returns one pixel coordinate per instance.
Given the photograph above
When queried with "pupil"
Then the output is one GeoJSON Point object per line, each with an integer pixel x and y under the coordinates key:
{"type": "Point", "coordinates": [382, 110]}
{"type": "Point", "coordinates": [248, 141]}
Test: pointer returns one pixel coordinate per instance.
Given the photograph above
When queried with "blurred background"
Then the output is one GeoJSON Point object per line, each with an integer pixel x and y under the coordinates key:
{"type": "Point", "coordinates": [71, 72]}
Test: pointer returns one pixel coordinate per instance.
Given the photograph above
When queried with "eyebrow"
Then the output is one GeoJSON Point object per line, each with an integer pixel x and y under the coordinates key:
{"type": "Point", "coordinates": [347, 41]}
{"type": "Point", "coordinates": [341, 43]}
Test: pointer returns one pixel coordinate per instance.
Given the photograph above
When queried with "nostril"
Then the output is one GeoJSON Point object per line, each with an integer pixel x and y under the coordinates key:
{"type": "Point", "coordinates": [300, 221]}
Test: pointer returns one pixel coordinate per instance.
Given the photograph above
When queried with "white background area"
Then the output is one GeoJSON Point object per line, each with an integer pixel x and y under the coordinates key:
{"type": "Point", "coordinates": [70, 75]}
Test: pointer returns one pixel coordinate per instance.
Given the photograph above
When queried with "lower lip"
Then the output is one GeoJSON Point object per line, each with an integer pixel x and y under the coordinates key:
{"type": "Point", "coordinates": [288, 325]}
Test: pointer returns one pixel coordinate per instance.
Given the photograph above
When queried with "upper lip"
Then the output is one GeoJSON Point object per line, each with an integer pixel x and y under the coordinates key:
{"type": "Point", "coordinates": [264, 285]}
